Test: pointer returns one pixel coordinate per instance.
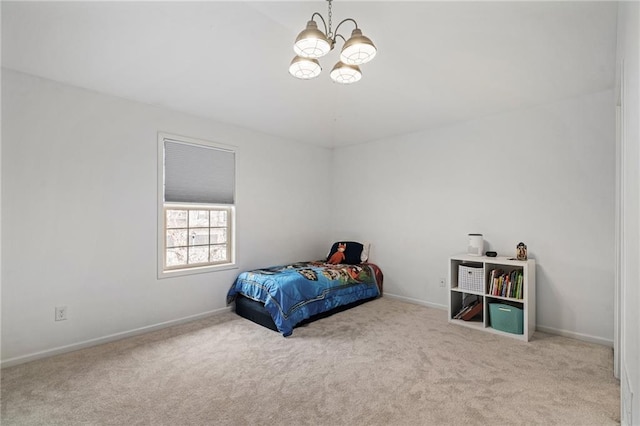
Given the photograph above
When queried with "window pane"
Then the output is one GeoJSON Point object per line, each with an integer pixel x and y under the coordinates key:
{"type": "Point", "coordinates": [198, 236]}
{"type": "Point", "coordinates": [218, 235]}
{"type": "Point", "coordinates": [176, 257]}
{"type": "Point", "coordinates": [199, 254]}
{"type": "Point", "coordinates": [218, 253]}
{"type": "Point", "coordinates": [177, 238]}
{"type": "Point", "coordinates": [198, 218]}
{"type": "Point", "coordinates": [219, 218]}
{"type": "Point", "coordinates": [176, 218]}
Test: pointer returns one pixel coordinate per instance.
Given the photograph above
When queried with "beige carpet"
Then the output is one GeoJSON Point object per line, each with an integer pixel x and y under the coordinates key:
{"type": "Point", "coordinates": [383, 363]}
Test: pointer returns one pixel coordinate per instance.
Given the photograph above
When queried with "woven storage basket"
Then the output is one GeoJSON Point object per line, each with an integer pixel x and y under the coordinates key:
{"type": "Point", "coordinates": [470, 278]}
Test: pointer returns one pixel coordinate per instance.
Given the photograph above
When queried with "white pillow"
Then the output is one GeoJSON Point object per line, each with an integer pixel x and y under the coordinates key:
{"type": "Point", "coordinates": [364, 256]}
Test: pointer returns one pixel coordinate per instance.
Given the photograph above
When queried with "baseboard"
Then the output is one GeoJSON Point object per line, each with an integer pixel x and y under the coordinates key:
{"type": "Point", "coordinates": [135, 332]}
{"type": "Point", "coordinates": [574, 335]}
{"type": "Point", "coordinates": [107, 339]}
{"type": "Point", "coordinates": [549, 330]}
{"type": "Point", "coordinates": [415, 301]}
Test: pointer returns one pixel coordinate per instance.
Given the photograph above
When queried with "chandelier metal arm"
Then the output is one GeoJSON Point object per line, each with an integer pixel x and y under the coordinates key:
{"type": "Point", "coordinates": [327, 31]}
{"type": "Point", "coordinates": [322, 19]}
{"type": "Point", "coordinates": [342, 22]}
{"type": "Point", "coordinates": [339, 35]}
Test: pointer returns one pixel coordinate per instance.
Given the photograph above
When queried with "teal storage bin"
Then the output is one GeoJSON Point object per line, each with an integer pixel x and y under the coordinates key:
{"type": "Point", "coordinates": [506, 318]}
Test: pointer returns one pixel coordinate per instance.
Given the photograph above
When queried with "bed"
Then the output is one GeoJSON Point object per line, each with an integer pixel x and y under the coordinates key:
{"type": "Point", "coordinates": [285, 296]}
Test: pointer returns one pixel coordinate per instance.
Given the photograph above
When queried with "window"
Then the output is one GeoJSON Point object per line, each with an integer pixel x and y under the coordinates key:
{"type": "Point", "coordinates": [197, 195]}
{"type": "Point", "coordinates": [196, 236]}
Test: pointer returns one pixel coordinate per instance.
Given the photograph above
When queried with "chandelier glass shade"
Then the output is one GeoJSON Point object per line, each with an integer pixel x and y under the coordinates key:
{"type": "Point", "coordinates": [345, 74]}
{"type": "Point", "coordinates": [312, 44]}
{"type": "Point", "coordinates": [304, 68]}
{"type": "Point", "coordinates": [358, 49]}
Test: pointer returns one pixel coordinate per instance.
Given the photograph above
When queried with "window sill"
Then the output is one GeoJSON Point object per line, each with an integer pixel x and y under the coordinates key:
{"type": "Point", "coordinates": [194, 271]}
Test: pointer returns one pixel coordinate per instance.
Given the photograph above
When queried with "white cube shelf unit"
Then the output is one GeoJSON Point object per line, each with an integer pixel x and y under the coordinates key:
{"type": "Point", "coordinates": [527, 301]}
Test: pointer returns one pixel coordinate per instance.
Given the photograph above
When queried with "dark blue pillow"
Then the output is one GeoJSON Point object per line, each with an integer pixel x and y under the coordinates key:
{"type": "Point", "coordinates": [352, 252]}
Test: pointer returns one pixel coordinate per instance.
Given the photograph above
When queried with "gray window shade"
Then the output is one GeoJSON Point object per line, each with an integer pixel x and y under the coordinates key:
{"type": "Point", "coordinates": [198, 174]}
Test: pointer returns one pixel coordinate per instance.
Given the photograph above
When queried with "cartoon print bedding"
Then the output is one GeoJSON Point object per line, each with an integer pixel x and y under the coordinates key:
{"type": "Point", "coordinates": [293, 293]}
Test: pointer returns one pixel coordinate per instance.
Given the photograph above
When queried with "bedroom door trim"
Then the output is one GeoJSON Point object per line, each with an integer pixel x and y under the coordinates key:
{"type": "Point", "coordinates": [619, 269]}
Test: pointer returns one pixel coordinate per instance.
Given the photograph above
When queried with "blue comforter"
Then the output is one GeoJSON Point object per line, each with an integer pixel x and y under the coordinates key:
{"type": "Point", "coordinates": [293, 293]}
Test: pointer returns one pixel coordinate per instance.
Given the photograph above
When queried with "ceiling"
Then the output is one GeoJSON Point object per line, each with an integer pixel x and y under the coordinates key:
{"type": "Point", "coordinates": [438, 63]}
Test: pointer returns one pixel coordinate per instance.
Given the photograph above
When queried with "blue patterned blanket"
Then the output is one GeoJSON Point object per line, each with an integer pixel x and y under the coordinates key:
{"type": "Point", "coordinates": [293, 293]}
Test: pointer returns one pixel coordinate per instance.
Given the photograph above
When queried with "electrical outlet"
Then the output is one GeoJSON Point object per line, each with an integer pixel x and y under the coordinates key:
{"type": "Point", "coordinates": [443, 282]}
{"type": "Point", "coordinates": [61, 313]}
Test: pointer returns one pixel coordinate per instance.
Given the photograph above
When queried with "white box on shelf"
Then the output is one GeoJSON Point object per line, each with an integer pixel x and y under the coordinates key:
{"type": "Point", "coordinates": [471, 278]}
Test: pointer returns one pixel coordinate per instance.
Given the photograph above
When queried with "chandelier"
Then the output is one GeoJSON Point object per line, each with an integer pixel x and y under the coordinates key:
{"type": "Point", "coordinates": [312, 44]}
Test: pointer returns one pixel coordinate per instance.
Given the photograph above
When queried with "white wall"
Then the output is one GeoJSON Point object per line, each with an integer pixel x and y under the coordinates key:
{"type": "Point", "coordinates": [544, 176]}
{"type": "Point", "coordinates": [79, 178]}
{"type": "Point", "coordinates": [628, 61]}
{"type": "Point", "coordinates": [79, 210]}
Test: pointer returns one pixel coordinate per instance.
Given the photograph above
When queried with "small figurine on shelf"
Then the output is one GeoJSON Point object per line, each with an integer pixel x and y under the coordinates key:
{"type": "Point", "coordinates": [521, 251]}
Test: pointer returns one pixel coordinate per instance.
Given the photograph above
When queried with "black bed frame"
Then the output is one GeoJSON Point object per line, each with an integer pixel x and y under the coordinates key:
{"type": "Point", "coordinates": [256, 312]}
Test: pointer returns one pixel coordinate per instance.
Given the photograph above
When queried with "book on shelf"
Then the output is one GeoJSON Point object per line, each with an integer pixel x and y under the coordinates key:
{"type": "Point", "coordinates": [470, 311]}
{"type": "Point", "coordinates": [475, 310]}
{"type": "Point", "coordinates": [505, 284]}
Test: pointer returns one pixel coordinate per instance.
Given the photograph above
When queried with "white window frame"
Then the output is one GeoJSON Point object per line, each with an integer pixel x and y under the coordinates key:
{"type": "Point", "coordinates": [165, 272]}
